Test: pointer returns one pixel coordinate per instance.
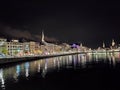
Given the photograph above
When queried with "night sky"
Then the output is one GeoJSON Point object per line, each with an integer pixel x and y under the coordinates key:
{"type": "Point", "coordinates": [88, 21]}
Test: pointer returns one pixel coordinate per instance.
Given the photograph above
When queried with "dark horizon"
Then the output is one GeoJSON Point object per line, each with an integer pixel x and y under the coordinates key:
{"type": "Point", "coordinates": [88, 22]}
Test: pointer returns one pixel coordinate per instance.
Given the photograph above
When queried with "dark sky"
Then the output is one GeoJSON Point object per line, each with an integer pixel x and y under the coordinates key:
{"type": "Point", "coordinates": [88, 21]}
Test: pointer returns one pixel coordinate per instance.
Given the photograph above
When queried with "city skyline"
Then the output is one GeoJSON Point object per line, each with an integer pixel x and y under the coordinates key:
{"type": "Point", "coordinates": [87, 22]}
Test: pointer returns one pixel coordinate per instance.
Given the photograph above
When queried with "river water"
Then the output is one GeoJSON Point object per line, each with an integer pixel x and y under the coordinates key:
{"type": "Point", "coordinates": [76, 72]}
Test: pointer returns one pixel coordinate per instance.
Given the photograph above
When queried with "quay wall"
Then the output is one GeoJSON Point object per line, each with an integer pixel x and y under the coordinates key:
{"type": "Point", "coordinates": [30, 58]}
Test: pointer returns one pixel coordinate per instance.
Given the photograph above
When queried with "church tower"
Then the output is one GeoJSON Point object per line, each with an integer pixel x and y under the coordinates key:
{"type": "Point", "coordinates": [43, 39]}
{"type": "Point", "coordinates": [113, 43]}
{"type": "Point", "coordinates": [81, 45]}
{"type": "Point", "coordinates": [103, 45]}
{"type": "Point", "coordinates": [43, 36]}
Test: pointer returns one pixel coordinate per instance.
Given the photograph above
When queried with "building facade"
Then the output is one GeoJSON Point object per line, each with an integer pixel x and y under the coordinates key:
{"type": "Point", "coordinates": [3, 46]}
{"type": "Point", "coordinates": [32, 47]}
{"type": "Point", "coordinates": [14, 47]}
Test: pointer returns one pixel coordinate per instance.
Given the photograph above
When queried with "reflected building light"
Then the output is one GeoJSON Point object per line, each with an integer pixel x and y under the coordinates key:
{"type": "Point", "coordinates": [74, 58]}
{"type": "Point", "coordinates": [58, 64]}
{"type": "Point", "coordinates": [81, 58]}
{"type": "Point", "coordinates": [26, 72]}
{"type": "Point", "coordinates": [18, 69]}
{"type": "Point", "coordinates": [44, 71]}
{"type": "Point", "coordinates": [67, 58]}
{"type": "Point", "coordinates": [39, 67]}
{"type": "Point", "coordinates": [54, 63]}
{"type": "Point", "coordinates": [78, 57]}
{"type": "Point", "coordinates": [70, 58]}
{"type": "Point", "coordinates": [85, 58]}
{"type": "Point", "coordinates": [74, 61]}
{"type": "Point", "coordinates": [116, 56]}
{"type": "Point", "coordinates": [2, 79]}
{"type": "Point", "coordinates": [113, 60]}
{"type": "Point", "coordinates": [17, 73]}
{"type": "Point", "coordinates": [46, 65]}
{"type": "Point", "coordinates": [67, 62]}
{"type": "Point", "coordinates": [27, 69]}
{"type": "Point", "coordinates": [110, 59]}
{"type": "Point", "coordinates": [61, 62]}
{"type": "Point", "coordinates": [60, 58]}
{"type": "Point", "coordinates": [102, 55]}
{"type": "Point", "coordinates": [96, 57]}
{"type": "Point", "coordinates": [83, 61]}
{"type": "Point", "coordinates": [119, 55]}
{"type": "Point", "coordinates": [64, 62]}
{"type": "Point", "coordinates": [89, 57]}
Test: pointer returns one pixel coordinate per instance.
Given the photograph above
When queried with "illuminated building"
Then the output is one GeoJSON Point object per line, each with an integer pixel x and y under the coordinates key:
{"type": "Point", "coordinates": [114, 46]}
{"type": "Point", "coordinates": [3, 46]}
{"type": "Point", "coordinates": [49, 47]}
{"type": "Point", "coordinates": [113, 43]}
{"type": "Point", "coordinates": [26, 47]}
{"type": "Point", "coordinates": [103, 45]}
{"type": "Point", "coordinates": [14, 47]}
{"type": "Point", "coordinates": [32, 46]}
{"type": "Point", "coordinates": [64, 47]}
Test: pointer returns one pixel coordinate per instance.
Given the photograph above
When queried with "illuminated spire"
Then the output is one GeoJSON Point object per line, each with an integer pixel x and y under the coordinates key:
{"type": "Point", "coordinates": [81, 45]}
{"type": "Point", "coordinates": [113, 42]}
{"type": "Point", "coordinates": [43, 39]}
{"type": "Point", "coordinates": [103, 45]}
{"type": "Point", "coordinates": [43, 36]}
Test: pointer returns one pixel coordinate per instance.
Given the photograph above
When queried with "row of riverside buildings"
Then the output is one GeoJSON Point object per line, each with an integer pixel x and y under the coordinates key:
{"type": "Point", "coordinates": [14, 46]}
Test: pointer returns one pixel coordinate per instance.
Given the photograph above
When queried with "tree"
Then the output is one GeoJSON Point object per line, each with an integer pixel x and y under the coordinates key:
{"type": "Point", "coordinates": [16, 52]}
{"type": "Point", "coordinates": [4, 51]}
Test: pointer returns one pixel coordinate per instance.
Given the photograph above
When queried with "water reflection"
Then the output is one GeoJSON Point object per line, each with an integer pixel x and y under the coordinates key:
{"type": "Point", "coordinates": [74, 61]}
{"type": "Point", "coordinates": [38, 67]}
{"type": "Point", "coordinates": [112, 59]}
{"type": "Point", "coordinates": [44, 71]}
{"type": "Point", "coordinates": [27, 69]}
{"type": "Point", "coordinates": [82, 59]}
{"type": "Point", "coordinates": [44, 66]}
{"type": "Point", "coordinates": [2, 79]}
{"type": "Point", "coordinates": [17, 73]}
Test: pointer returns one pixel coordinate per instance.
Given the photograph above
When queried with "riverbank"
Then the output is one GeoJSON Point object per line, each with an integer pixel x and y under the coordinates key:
{"type": "Point", "coordinates": [30, 58]}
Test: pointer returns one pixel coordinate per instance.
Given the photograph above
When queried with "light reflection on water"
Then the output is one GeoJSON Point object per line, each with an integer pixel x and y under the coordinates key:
{"type": "Point", "coordinates": [44, 66]}
{"type": "Point", "coordinates": [2, 79]}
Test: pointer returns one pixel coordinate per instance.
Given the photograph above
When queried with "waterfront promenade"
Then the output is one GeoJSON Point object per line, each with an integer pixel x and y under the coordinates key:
{"type": "Point", "coordinates": [6, 60]}
{"type": "Point", "coordinates": [15, 59]}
